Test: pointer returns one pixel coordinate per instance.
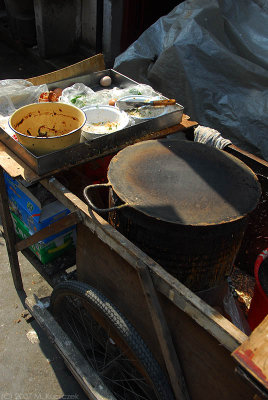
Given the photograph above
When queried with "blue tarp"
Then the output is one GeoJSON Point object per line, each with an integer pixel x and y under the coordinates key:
{"type": "Point", "coordinates": [212, 56]}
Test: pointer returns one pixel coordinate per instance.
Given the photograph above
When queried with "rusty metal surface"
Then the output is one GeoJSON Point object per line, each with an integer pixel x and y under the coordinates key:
{"type": "Point", "coordinates": [184, 182]}
{"type": "Point", "coordinates": [198, 256]}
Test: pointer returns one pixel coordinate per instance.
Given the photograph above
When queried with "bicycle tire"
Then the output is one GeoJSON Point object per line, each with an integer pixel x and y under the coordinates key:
{"type": "Point", "coordinates": [118, 327]}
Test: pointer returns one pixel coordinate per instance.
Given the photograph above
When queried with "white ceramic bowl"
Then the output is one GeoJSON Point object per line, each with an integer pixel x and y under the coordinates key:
{"type": "Point", "coordinates": [103, 120]}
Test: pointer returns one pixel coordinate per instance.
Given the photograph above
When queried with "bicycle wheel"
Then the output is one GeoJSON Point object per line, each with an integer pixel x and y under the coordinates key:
{"type": "Point", "coordinates": [109, 342]}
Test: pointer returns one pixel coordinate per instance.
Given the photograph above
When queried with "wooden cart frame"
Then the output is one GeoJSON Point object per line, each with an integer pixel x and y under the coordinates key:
{"type": "Point", "coordinates": [190, 339]}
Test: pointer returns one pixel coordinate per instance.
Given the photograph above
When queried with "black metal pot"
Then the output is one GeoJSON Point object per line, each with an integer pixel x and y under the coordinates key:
{"type": "Point", "coordinates": [185, 204]}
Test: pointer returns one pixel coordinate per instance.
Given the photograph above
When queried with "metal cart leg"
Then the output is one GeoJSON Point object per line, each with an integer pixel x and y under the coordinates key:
{"type": "Point", "coordinates": [9, 234]}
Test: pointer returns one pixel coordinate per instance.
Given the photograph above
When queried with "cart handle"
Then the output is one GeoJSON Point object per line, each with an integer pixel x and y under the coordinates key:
{"type": "Point", "coordinates": [95, 208]}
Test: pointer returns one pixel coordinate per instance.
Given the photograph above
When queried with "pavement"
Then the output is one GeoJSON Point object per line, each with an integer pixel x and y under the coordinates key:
{"type": "Point", "coordinates": [30, 366]}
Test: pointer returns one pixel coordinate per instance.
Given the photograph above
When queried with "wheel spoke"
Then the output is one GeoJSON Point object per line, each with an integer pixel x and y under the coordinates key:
{"type": "Point", "coordinates": [105, 354]}
{"type": "Point", "coordinates": [90, 339]}
{"type": "Point", "coordinates": [116, 382]}
{"type": "Point", "coordinates": [125, 383]}
{"type": "Point", "coordinates": [105, 366]}
{"type": "Point", "coordinates": [118, 355]}
{"type": "Point", "coordinates": [75, 332]}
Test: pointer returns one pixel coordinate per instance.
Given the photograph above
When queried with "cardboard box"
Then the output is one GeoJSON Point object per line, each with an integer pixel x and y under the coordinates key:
{"type": "Point", "coordinates": [47, 251]}
{"type": "Point", "coordinates": [33, 205]}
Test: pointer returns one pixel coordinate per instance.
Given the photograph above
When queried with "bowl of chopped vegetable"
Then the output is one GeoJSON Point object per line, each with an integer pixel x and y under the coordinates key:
{"type": "Point", "coordinates": [103, 120]}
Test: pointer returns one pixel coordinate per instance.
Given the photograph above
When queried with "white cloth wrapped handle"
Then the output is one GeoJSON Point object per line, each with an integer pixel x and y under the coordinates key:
{"type": "Point", "coordinates": [211, 137]}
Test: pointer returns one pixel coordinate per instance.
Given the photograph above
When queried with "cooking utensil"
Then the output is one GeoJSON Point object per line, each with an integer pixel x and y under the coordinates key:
{"type": "Point", "coordinates": [136, 102]}
{"type": "Point", "coordinates": [184, 204]}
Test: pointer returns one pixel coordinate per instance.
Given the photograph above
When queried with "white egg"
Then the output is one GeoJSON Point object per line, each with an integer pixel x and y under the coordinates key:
{"type": "Point", "coordinates": [105, 81]}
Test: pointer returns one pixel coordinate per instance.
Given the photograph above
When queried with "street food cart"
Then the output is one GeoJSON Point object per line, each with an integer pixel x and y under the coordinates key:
{"type": "Point", "coordinates": [175, 344]}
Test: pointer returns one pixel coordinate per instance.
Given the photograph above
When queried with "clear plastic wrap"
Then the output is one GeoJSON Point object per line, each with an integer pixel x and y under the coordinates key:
{"type": "Point", "coordinates": [81, 95]}
{"type": "Point", "coordinates": [223, 299]}
{"type": "Point", "coordinates": [16, 93]}
{"type": "Point", "coordinates": [76, 94]}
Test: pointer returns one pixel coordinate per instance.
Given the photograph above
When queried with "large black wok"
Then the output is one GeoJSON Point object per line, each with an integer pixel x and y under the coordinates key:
{"type": "Point", "coordinates": [183, 203]}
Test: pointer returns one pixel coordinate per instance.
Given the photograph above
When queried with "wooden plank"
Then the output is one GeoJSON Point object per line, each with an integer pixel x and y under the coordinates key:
{"type": "Point", "coordinates": [208, 367]}
{"type": "Point", "coordinates": [218, 326]}
{"type": "Point", "coordinates": [103, 268]}
{"type": "Point", "coordinates": [87, 66]}
{"type": "Point", "coordinates": [253, 353]}
{"type": "Point", "coordinates": [207, 317]}
{"type": "Point", "coordinates": [162, 332]}
{"type": "Point", "coordinates": [52, 229]}
{"type": "Point", "coordinates": [86, 376]}
{"type": "Point", "coordinates": [254, 162]}
{"type": "Point", "coordinates": [14, 166]}
{"type": "Point", "coordinates": [261, 394]}
{"type": "Point", "coordinates": [10, 236]}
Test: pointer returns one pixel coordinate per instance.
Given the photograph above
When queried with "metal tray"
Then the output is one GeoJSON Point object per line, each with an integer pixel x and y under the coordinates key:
{"type": "Point", "coordinates": [88, 150]}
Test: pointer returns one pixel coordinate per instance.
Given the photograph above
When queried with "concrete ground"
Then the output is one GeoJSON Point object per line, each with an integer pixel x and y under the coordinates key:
{"type": "Point", "coordinates": [30, 367]}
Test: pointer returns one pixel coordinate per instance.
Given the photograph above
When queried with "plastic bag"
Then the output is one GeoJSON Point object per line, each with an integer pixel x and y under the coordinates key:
{"type": "Point", "coordinates": [16, 93]}
{"type": "Point", "coordinates": [212, 57]}
{"type": "Point", "coordinates": [222, 299]}
{"type": "Point", "coordinates": [76, 94]}
{"type": "Point", "coordinates": [81, 95]}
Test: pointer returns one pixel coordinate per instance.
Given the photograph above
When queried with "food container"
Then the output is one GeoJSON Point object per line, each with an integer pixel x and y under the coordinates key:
{"type": "Point", "coordinates": [144, 112]}
{"type": "Point", "coordinates": [47, 127]}
{"type": "Point", "coordinates": [89, 149]}
{"type": "Point", "coordinates": [103, 120]}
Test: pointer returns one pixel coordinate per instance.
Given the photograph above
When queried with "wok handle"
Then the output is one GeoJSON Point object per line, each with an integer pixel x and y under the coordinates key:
{"type": "Point", "coordinates": [92, 206]}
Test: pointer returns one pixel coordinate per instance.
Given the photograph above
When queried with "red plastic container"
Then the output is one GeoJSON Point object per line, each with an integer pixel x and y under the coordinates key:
{"type": "Point", "coordinates": [259, 303]}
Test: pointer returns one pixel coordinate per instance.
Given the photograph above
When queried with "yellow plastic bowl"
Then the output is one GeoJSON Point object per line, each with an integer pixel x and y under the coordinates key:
{"type": "Point", "coordinates": [46, 127]}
